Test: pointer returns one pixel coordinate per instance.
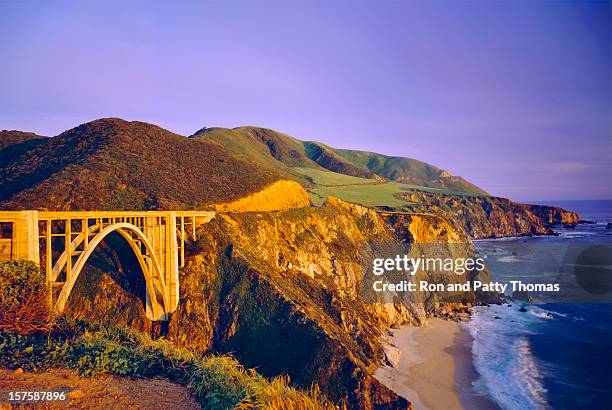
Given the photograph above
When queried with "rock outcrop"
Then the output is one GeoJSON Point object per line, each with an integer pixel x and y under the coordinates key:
{"type": "Point", "coordinates": [279, 196]}
{"type": "Point", "coordinates": [480, 216]}
{"type": "Point", "coordinates": [553, 215]}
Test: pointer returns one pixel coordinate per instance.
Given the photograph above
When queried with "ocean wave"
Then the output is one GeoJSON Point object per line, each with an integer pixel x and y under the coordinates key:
{"type": "Point", "coordinates": [541, 313]}
{"type": "Point", "coordinates": [577, 234]}
{"type": "Point", "coordinates": [509, 374]}
{"type": "Point", "coordinates": [509, 259]}
{"type": "Point", "coordinates": [551, 314]}
{"type": "Point", "coordinates": [525, 369]}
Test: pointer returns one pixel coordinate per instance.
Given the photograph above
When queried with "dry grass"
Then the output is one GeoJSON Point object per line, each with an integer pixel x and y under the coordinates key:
{"type": "Point", "coordinates": [277, 395]}
{"type": "Point", "coordinates": [24, 306]}
{"type": "Point", "coordinates": [30, 316]}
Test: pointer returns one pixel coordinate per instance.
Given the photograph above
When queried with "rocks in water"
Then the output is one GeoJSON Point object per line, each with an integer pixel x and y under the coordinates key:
{"type": "Point", "coordinates": [508, 305]}
{"type": "Point", "coordinates": [497, 318]}
{"type": "Point", "coordinates": [569, 226]}
{"type": "Point", "coordinates": [609, 225]}
{"type": "Point", "coordinates": [522, 309]}
{"type": "Point", "coordinates": [586, 221]}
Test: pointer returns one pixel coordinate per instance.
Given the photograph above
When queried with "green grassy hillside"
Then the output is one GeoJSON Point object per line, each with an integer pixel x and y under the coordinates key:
{"type": "Point", "coordinates": [284, 154]}
{"type": "Point", "coordinates": [327, 158]}
{"type": "Point", "coordinates": [408, 170]}
{"type": "Point", "coordinates": [364, 191]}
{"type": "Point", "coordinates": [390, 167]}
{"type": "Point", "coordinates": [263, 146]}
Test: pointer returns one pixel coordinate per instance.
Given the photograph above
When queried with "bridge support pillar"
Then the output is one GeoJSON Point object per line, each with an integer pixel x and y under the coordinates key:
{"type": "Point", "coordinates": [149, 232]}
{"type": "Point", "coordinates": [25, 234]}
{"type": "Point", "coordinates": [172, 262]}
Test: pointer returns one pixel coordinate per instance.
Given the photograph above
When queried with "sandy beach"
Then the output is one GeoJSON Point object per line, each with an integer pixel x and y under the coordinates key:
{"type": "Point", "coordinates": [432, 367]}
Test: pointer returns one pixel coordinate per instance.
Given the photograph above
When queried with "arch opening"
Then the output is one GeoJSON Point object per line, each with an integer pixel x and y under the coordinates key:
{"type": "Point", "coordinates": [156, 298]}
{"type": "Point", "coordinates": [111, 287]}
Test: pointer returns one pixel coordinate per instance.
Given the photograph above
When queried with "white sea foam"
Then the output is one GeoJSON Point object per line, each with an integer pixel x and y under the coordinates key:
{"type": "Point", "coordinates": [550, 314]}
{"type": "Point", "coordinates": [509, 259]}
{"type": "Point", "coordinates": [509, 374]}
{"type": "Point", "coordinates": [577, 234]}
{"type": "Point", "coordinates": [541, 313]}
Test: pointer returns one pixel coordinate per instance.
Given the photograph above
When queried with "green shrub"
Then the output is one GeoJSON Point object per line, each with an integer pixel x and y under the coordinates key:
{"type": "Point", "coordinates": [18, 279]}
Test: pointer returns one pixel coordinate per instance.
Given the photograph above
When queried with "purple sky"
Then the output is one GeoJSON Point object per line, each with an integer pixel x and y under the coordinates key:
{"type": "Point", "coordinates": [514, 96]}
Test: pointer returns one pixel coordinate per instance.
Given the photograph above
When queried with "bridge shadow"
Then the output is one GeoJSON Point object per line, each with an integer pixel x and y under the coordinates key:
{"type": "Point", "coordinates": [111, 288]}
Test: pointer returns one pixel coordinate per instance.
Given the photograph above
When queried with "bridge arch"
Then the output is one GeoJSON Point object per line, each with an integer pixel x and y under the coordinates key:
{"type": "Point", "coordinates": [157, 239]}
{"type": "Point", "coordinates": [157, 291]}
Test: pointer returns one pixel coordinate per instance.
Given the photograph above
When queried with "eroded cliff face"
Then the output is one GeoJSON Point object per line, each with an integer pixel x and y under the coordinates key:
{"type": "Point", "coordinates": [554, 215]}
{"type": "Point", "coordinates": [278, 196]}
{"type": "Point", "coordinates": [281, 291]}
{"type": "Point", "coordinates": [434, 236]}
{"type": "Point", "coordinates": [490, 217]}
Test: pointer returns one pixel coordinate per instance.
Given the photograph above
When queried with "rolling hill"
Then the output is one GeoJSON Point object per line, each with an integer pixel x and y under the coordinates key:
{"type": "Point", "coordinates": [13, 137]}
{"type": "Point", "coordinates": [115, 164]}
{"type": "Point", "coordinates": [304, 159]}
{"type": "Point", "coordinates": [408, 170]}
{"type": "Point", "coordinates": [14, 143]}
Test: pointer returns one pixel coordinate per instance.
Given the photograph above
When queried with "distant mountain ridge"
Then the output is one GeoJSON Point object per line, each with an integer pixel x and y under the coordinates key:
{"type": "Point", "coordinates": [114, 164]}
{"type": "Point", "coordinates": [283, 152]}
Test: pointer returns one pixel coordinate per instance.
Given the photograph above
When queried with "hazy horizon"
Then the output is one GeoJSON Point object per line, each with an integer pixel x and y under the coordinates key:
{"type": "Point", "coordinates": [513, 96]}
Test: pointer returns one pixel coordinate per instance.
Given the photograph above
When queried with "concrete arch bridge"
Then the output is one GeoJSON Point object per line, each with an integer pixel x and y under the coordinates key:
{"type": "Point", "coordinates": [157, 239]}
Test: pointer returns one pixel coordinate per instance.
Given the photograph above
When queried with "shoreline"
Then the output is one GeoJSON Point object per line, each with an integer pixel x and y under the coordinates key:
{"type": "Point", "coordinates": [432, 367]}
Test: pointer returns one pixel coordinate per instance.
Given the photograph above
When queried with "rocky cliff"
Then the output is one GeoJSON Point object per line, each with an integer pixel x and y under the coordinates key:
{"type": "Point", "coordinates": [554, 215]}
{"type": "Point", "coordinates": [281, 291]}
{"type": "Point", "coordinates": [480, 216]}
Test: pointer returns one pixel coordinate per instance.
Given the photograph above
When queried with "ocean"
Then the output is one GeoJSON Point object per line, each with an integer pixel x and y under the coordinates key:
{"type": "Point", "coordinates": [553, 355]}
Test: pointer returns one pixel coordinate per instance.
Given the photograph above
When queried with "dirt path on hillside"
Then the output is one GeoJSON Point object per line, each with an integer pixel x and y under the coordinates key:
{"type": "Point", "coordinates": [104, 392]}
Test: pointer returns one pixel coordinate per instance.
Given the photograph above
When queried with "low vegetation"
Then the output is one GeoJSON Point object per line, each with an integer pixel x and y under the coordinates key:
{"type": "Point", "coordinates": [362, 191]}
{"type": "Point", "coordinates": [218, 382]}
{"type": "Point", "coordinates": [24, 308]}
